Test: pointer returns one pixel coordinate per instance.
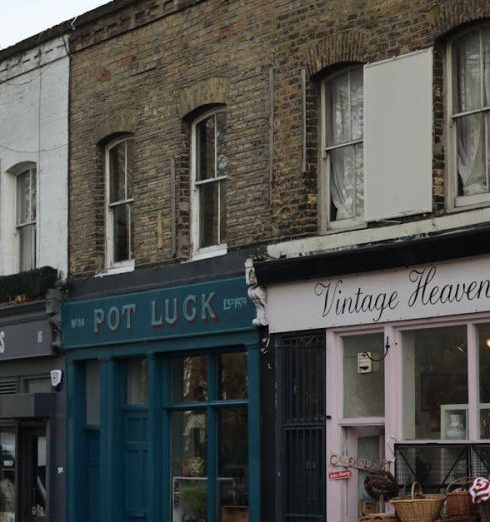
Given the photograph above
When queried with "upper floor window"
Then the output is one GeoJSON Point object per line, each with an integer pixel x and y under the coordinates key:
{"type": "Point", "coordinates": [342, 101]}
{"type": "Point", "coordinates": [119, 198]}
{"type": "Point", "coordinates": [26, 196]}
{"type": "Point", "coordinates": [210, 169]}
{"type": "Point", "coordinates": [469, 115]}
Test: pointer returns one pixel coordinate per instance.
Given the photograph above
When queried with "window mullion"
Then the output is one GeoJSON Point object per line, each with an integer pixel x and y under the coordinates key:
{"type": "Point", "coordinates": [473, 384]}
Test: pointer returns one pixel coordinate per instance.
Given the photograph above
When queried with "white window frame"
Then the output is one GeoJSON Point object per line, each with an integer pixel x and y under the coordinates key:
{"type": "Point", "coordinates": [220, 248]}
{"type": "Point", "coordinates": [455, 202]}
{"type": "Point", "coordinates": [20, 170]}
{"type": "Point", "coordinates": [326, 223]}
{"type": "Point", "coordinates": [127, 264]}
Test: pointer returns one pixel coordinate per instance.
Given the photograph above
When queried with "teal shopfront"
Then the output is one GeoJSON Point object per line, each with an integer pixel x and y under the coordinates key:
{"type": "Point", "coordinates": [163, 405]}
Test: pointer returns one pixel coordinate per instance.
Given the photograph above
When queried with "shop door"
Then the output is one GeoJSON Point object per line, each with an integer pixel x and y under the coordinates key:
{"type": "Point", "coordinates": [33, 490]}
{"type": "Point", "coordinates": [367, 444]}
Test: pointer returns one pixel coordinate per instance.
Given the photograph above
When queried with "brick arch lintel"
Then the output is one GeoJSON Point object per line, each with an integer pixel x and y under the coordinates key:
{"type": "Point", "coordinates": [450, 14]}
{"type": "Point", "coordinates": [349, 46]}
{"type": "Point", "coordinates": [119, 121]}
{"type": "Point", "coordinates": [205, 92]}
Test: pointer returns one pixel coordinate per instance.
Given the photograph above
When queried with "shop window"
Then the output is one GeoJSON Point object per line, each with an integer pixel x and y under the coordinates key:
{"type": "Point", "coordinates": [435, 383]}
{"type": "Point", "coordinates": [26, 198]}
{"type": "Point", "coordinates": [484, 382]}
{"type": "Point", "coordinates": [210, 171]}
{"type": "Point", "coordinates": [363, 375]}
{"type": "Point", "coordinates": [204, 439]}
{"type": "Point", "coordinates": [342, 97]}
{"type": "Point", "coordinates": [92, 393]}
{"type": "Point", "coordinates": [137, 382]}
{"type": "Point", "coordinates": [232, 369]}
{"type": "Point", "coordinates": [8, 473]}
{"type": "Point", "coordinates": [119, 197]}
{"type": "Point", "coordinates": [469, 115]}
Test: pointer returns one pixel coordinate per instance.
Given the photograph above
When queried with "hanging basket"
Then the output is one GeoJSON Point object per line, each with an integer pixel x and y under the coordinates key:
{"type": "Point", "coordinates": [418, 507]}
{"type": "Point", "coordinates": [458, 501]}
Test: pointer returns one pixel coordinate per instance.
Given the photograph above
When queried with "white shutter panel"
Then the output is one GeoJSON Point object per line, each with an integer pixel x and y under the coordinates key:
{"type": "Point", "coordinates": [398, 136]}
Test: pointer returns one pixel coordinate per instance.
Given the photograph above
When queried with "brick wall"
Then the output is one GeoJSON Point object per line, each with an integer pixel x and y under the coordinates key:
{"type": "Point", "coordinates": [144, 68]}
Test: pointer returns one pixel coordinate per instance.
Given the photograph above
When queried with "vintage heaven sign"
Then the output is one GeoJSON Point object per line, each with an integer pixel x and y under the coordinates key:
{"type": "Point", "coordinates": [428, 290]}
{"type": "Point", "coordinates": [183, 311]}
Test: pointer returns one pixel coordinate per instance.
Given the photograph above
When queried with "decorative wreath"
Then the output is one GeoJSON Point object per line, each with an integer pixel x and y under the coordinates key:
{"type": "Point", "coordinates": [381, 483]}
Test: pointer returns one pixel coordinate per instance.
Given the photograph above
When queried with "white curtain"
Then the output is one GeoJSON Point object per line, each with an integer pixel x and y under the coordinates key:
{"type": "Point", "coordinates": [345, 125]}
{"type": "Point", "coordinates": [470, 130]}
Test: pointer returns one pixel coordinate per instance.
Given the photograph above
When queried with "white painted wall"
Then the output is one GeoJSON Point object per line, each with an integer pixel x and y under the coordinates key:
{"type": "Point", "coordinates": [34, 127]}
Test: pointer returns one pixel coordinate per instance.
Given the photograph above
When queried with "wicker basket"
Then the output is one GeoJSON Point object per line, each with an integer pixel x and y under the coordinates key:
{"type": "Point", "coordinates": [418, 507]}
{"type": "Point", "coordinates": [458, 502]}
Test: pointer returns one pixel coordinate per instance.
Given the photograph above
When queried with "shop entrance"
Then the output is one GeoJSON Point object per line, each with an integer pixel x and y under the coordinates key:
{"type": "Point", "coordinates": [23, 474]}
{"type": "Point", "coordinates": [366, 444]}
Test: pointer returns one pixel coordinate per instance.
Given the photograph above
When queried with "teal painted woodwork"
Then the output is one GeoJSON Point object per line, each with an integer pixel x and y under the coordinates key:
{"type": "Point", "coordinates": [183, 311]}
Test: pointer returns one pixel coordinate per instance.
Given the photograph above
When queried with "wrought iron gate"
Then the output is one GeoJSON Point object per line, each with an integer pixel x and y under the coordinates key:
{"type": "Point", "coordinates": [301, 426]}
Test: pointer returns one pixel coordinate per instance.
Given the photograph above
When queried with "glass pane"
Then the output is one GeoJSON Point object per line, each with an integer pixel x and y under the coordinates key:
{"type": "Point", "coordinates": [121, 233]}
{"type": "Point", "coordinates": [38, 477]}
{"type": "Point", "coordinates": [368, 448]}
{"type": "Point", "coordinates": [33, 200]}
{"type": "Point", "coordinates": [221, 152]}
{"type": "Point", "coordinates": [24, 197]}
{"type": "Point", "coordinates": [27, 245]}
{"type": "Point", "coordinates": [129, 167]}
{"type": "Point", "coordinates": [435, 383]}
{"type": "Point", "coordinates": [7, 475]}
{"type": "Point", "coordinates": [357, 103]}
{"type": "Point", "coordinates": [222, 211]}
{"type": "Point", "coordinates": [233, 376]}
{"type": "Point", "coordinates": [338, 109]}
{"type": "Point", "coordinates": [208, 214]}
{"type": "Point", "coordinates": [346, 182]}
{"type": "Point", "coordinates": [42, 385]}
{"type": "Point", "coordinates": [189, 379]}
{"type": "Point", "coordinates": [470, 132]}
{"type": "Point", "coordinates": [92, 393]}
{"type": "Point", "coordinates": [205, 153]}
{"type": "Point", "coordinates": [233, 465]}
{"type": "Point", "coordinates": [467, 57]}
{"type": "Point", "coordinates": [137, 382]}
{"type": "Point", "coordinates": [117, 163]}
{"type": "Point", "coordinates": [363, 378]}
{"type": "Point", "coordinates": [189, 467]}
{"type": "Point", "coordinates": [484, 371]}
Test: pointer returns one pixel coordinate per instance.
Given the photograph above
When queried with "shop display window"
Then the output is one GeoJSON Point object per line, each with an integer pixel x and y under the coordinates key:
{"type": "Point", "coordinates": [137, 382]}
{"type": "Point", "coordinates": [435, 383]}
{"type": "Point", "coordinates": [363, 375]}
{"type": "Point", "coordinates": [484, 380]}
{"type": "Point", "coordinates": [189, 379]}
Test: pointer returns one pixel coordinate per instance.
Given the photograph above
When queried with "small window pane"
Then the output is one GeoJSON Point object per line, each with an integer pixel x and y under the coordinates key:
{"type": "Point", "coordinates": [92, 392]}
{"type": "Point", "coordinates": [222, 211]}
{"type": "Point", "coordinates": [471, 152]}
{"type": "Point", "coordinates": [208, 218]}
{"type": "Point", "coordinates": [205, 140]}
{"type": "Point", "coordinates": [233, 376]}
{"type": "Point", "coordinates": [117, 172]}
{"type": "Point", "coordinates": [27, 247]}
{"type": "Point", "coordinates": [467, 53]}
{"type": "Point", "coordinates": [189, 379]}
{"type": "Point", "coordinates": [189, 466]}
{"type": "Point", "coordinates": [137, 382]}
{"type": "Point", "coordinates": [24, 198]}
{"type": "Point", "coordinates": [435, 383]}
{"type": "Point", "coordinates": [338, 110]}
{"type": "Point", "coordinates": [129, 168]}
{"type": "Point", "coordinates": [122, 227]}
{"type": "Point", "coordinates": [363, 388]}
{"type": "Point", "coordinates": [357, 104]}
{"type": "Point", "coordinates": [233, 465]}
{"type": "Point", "coordinates": [221, 152]}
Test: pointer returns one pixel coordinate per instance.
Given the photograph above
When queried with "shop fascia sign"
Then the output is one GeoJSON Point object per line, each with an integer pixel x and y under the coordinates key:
{"type": "Point", "coordinates": [158, 314]}
{"type": "Point", "coordinates": [25, 339]}
{"type": "Point", "coordinates": [429, 290]}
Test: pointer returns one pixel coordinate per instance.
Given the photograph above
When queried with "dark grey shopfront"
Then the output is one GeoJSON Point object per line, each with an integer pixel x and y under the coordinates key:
{"type": "Point", "coordinates": [31, 418]}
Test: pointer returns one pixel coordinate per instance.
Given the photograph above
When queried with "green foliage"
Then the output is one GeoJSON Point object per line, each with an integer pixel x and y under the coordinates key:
{"type": "Point", "coordinates": [194, 499]}
{"type": "Point", "coordinates": [32, 284]}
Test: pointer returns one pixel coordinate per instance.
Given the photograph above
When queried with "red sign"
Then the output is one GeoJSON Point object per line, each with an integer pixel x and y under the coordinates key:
{"type": "Point", "coordinates": [340, 475]}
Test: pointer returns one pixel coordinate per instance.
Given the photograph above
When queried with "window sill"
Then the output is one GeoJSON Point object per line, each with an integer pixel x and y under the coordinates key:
{"type": "Point", "coordinates": [336, 227]}
{"type": "Point", "coordinates": [118, 268]}
{"type": "Point", "coordinates": [477, 201]}
{"type": "Point", "coordinates": [213, 251]}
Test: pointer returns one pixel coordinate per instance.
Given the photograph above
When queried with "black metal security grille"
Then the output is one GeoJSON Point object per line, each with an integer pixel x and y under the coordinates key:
{"type": "Point", "coordinates": [301, 406]}
{"type": "Point", "coordinates": [435, 466]}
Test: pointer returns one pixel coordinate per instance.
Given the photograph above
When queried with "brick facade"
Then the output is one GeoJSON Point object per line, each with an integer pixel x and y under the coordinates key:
{"type": "Point", "coordinates": [146, 67]}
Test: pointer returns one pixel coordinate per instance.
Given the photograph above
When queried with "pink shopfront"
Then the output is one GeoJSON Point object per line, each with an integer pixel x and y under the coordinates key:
{"type": "Point", "coordinates": [401, 372]}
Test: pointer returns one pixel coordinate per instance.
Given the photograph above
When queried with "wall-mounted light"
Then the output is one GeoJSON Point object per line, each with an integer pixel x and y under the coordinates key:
{"type": "Point", "coordinates": [487, 343]}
